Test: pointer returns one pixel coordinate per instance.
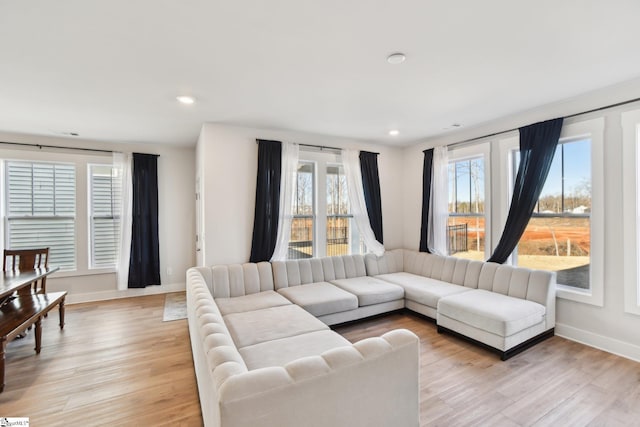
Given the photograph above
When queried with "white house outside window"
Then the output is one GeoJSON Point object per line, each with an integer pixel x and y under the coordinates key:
{"type": "Point", "coordinates": [558, 236]}
{"type": "Point", "coordinates": [566, 231]}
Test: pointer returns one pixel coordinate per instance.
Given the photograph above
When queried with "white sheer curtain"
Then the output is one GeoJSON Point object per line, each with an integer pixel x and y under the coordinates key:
{"type": "Point", "coordinates": [122, 163]}
{"type": "Point", "coordinates": [351, 164]}
{"type": "Point", "coordinates": [287, 189]}
{"type": "Point", "coordinates": [439, 211]}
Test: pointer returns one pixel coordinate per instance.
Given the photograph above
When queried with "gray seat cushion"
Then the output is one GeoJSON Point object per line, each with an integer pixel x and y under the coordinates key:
{"type": "Point", "coordinates": [320, 298]}
{"type": "Point", "coordinates": [423, 290]}
{"type": "Point", "coordinates": [282, 351]}
{"type": "Point", "coordinates": [251, 302]}
{"type": "Point", "coordinates": [253, 327]}
{"type": "Point", "coordinates": [492, 312]}
{"type": "Point", "coordinates": [370, 290]}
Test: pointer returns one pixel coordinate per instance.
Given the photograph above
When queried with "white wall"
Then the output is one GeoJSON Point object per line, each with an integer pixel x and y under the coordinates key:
{"type": "Point", "coordinates": [176, 184]}
{"type": "Point", "coordinates": [227, 164]}
{"type": "Point", "coordinates": [607, 327]}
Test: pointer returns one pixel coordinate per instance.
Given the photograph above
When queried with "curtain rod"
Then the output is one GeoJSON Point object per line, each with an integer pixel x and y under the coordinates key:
{"type": "Point", "coordinates": [606, 107]}
{"type": "Point", "coordinates": [322, 147]}
{"type": "Point", "coordinates": [41, 146]}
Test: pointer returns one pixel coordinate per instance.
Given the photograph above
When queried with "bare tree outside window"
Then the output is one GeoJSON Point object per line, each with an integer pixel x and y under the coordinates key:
{"type": "Point", "coordinates": [466, 228]}
{"type": "Point", "coordinates": [331, 231]}
{"type": "Point", "coordinates": [301, 240]}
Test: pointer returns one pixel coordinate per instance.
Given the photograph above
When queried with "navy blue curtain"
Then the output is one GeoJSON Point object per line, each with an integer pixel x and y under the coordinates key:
{"type": "Point", "coordinates": [371, 189]}
{"type": "Point", "coordinates": [538, 144]}
{"type": "Point", "coordinates": [427, 175]}
{"type": "Point", "coordinates": [144, 264]}
{"type": "Point", "coordinates": [265, 225]}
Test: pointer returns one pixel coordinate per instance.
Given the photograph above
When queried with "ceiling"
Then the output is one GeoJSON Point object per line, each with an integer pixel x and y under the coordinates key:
{"type": "Point", "coordinates": [111, 70]}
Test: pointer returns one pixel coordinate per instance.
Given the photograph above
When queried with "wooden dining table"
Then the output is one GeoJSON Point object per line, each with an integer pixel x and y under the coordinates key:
{"type": "Point", "coordinates": [20, 281]}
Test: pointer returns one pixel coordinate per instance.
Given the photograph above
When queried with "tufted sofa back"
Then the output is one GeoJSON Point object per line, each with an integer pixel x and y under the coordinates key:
{"type": "Point", "coordinates": [390, 262]}
{"type": "Point", "coordinates": [312, 270]}
{"type": "Point", "coordinates": [533, 285]}
{"type": "Point", "coordinates": [458, 271]}
{"type": "Point", "coordinates": [236, 280]}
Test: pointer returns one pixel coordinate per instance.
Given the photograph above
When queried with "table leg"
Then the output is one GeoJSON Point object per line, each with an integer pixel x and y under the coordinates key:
{"type": "Point", "coordinates": [38, 333]}
{"type": "Point", "coordinates": [3, 344]}
{"type": "Point", "coordinates": [61, 310]}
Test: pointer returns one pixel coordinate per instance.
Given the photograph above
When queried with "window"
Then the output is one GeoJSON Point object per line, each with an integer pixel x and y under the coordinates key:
{"type": "Point", "coordinates": [328, 216]}
{"type": "Point", "coordinates": [41, 208]}
{"type": "Point", "coordinates": [342, 235]}
{"type": "Point", "coordinates": [465, 230]}
{"type": "Point", "coordinates": [468, 184]}
{"type": "Point", "coordinates": [565, 232]}
{"type": "Point", "coordinates": [302, 230]}
{"type": "Point", "coordinates": [105, 199]}
{"type": "Point", "coordinates": [558, 236]}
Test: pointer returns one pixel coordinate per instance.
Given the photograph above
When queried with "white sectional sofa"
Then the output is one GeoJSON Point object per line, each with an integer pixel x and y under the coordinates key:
{"type": "Point", "coordinates": [264, 355]}
{"type": "Point", "coordinates": [262, 361]}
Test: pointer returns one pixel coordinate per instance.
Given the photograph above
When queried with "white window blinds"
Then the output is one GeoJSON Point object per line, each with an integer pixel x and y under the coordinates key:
{"type": "Point", "coordinates": [105, 190]}
{"type": "Point", "coordinates": [41, 208]}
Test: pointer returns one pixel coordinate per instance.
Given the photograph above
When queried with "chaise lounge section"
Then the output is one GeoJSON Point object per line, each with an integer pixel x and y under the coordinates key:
{"type": "Point", "coordinates": [503, 307]}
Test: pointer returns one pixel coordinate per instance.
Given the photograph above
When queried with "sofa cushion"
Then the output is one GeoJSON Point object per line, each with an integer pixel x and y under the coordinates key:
{"type": "Point", "coordinates": [253, 327]}
{"type": "Point", "coordinates": [370, 290]}
{"type": "Point", "coordinates": [492, 312]}
{"type": "Point", "coordinates": [251, 302]}
{"type": "Point", "coordinates": [282, 351]}
{"type": "Point", "coordinates": [423, 290]}
{"type": "Point", "coordinates": [320, 298]}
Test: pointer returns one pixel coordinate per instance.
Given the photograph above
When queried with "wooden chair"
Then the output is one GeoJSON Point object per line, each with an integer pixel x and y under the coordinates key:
{"type": "Point", "coordinates": [28, 259]}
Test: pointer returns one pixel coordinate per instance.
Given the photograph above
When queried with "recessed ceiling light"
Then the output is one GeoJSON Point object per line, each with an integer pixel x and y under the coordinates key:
{"type": "Point", "coordinates": [453, 126]}
{"type": "Point", "coordinates": [185, 99]}
{"type": "Point", "coordinates": [394, 132]}
{"type": "Point", "coordinates": [396, 58]}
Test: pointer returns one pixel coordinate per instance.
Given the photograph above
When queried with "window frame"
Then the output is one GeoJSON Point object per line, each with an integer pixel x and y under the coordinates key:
{"type": "Point", "coordinates": [314, 178]}
{"type": "Point", "coordinates": [54, 216]}
{"type": "Point", "coordinates": [321, 160]}
{"type": "Point", "coordinates": [470, 152]}
{"type": "Point", "coordinates": [574, 130]}
{"type": "Point", "coordinates": [631, 209]}
{"type": "Point", "coordinates": [81, 160]}
{"type": "Point", "coordinates": [115, 211]}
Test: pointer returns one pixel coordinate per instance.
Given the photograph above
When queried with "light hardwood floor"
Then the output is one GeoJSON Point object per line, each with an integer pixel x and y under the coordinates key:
{"type": "Point", "coordinates": [117, 363]}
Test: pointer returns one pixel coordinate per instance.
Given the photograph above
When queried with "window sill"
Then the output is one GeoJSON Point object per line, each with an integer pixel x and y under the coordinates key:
{"type": "Point", "coordinates": [80, 273]}
{"type": "Point", "coordinates": [585, 296]}
{"type": "Point", "coordinates": [631, 308]}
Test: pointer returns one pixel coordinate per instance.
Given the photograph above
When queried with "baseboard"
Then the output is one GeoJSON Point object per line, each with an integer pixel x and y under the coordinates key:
{"type": "Point", "coordinates": [610, 345]}
{"type": "Point", "coordinates": [126, 293]}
